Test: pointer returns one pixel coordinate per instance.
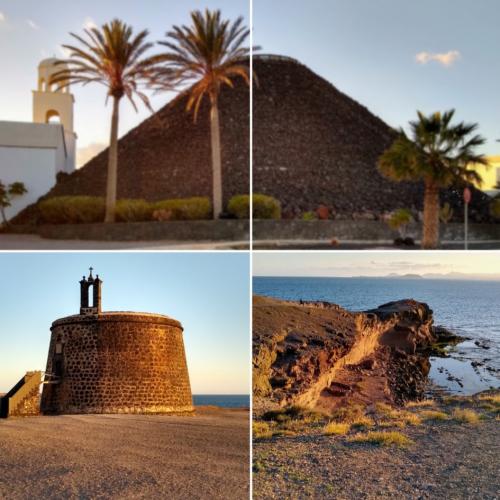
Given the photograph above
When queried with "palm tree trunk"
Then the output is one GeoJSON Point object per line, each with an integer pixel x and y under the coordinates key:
{"type": "Point", "coordinates": [4, 218]}
{"type": "Point", "coordinates": [216, 159]}
{"type": "Point", "coordinates": [112, 163]}
{"type": "Point", "coordinates": [430, 238]}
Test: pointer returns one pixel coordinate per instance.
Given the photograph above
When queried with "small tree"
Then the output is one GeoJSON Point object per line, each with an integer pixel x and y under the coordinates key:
{"type": "Point", "coordinates": [7, 193]}
{"type": "Point", "coordinates": [399, 219]}
{"type": "Point", "coordinates": [446, 213]}
{"type": "Point", "coordinates": [495, 207]}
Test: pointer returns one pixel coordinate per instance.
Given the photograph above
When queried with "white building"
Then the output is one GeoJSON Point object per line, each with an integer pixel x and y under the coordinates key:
{"type": "Point", "coordinates": [34, 153]}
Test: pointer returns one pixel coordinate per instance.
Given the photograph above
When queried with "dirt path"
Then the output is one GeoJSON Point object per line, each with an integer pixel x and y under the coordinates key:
{"type": "Point", "coordinates": [126, 456]}
{"type": "Point", "coordinates": [448, 460]}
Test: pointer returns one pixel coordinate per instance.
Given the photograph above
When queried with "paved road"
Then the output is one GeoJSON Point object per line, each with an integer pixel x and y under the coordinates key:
{"type": "Point", "coordinates": [364, 245]}
{"type": "Point", "coordinates": [34, 242]}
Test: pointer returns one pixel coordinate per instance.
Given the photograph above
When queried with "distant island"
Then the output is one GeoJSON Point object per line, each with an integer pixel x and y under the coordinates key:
{"type": "Point", "coordinates": [405, 276]}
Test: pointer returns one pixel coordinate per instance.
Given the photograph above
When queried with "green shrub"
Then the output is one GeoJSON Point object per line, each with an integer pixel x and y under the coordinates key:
{"type": "Point", "coordinates": [399, 219]}
{"type": "Point", "coordinates": [495, 208]}
{"type": "Point", "coordinates": [446, 213]}
{"type": "Point", "coordinates": [309, 216]}
{"type": "Point", "coordinates": [239, 206]}
{"type": "Point", "coordinates": [182, 209]}
{"type": "Point", "coordinates": [72, 210]}
{"type": "Point", "coordinates": [133, 210]}
{"type": "Point", "coordinates": [264, 207]}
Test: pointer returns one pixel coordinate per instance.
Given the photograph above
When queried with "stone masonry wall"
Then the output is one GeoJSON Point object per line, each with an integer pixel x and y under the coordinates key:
{"type": "Point", "coordinates": [29, 406]}
{"type": "Point", "coordinates": [117, 363]}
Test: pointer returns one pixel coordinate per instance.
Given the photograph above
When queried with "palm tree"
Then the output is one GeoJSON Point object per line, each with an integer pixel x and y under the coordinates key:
{"type": "Point", "coordinates": [438, 153]}
{"type": "Point", "coordinates": [111, 56]}
{"type": "Point", "coordinates": [207, 55]}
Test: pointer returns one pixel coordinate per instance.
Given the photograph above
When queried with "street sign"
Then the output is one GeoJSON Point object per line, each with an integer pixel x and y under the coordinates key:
{"type": "Point", "coordinates": [467, 195]}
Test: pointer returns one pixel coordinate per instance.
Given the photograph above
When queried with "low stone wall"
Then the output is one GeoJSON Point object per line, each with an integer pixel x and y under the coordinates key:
{"type": "Point", "coordinates": [361, 230]}
{"type": "Point", "coordinates": [200, 230]}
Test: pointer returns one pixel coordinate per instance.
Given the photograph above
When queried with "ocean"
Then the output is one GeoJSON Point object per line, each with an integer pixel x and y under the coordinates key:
{"type": "Point", "coordinates": [222, 400]}
{"type": "Point", "coordinates": [469, 308]}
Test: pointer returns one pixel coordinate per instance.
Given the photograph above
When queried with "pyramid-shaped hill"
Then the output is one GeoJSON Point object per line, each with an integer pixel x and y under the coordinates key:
{"type": "Point", "coordinates": [168, 155]}
{"type": "Point", "coordinates": [314, 145]}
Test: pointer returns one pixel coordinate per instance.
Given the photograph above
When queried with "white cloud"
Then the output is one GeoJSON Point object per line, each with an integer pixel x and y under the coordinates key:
{"type": "Point", "coordinates": [89, 23]}
{"type": "Point", "coordinates": [445, 58]}
{"type": "Point", "coordinates": [2, 17]}
{"type": "Point", "coordinates": [32, 24]}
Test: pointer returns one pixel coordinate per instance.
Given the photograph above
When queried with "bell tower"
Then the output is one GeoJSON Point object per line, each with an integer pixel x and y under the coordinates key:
{"type": "Point", "coordinates": [85, 285]}
{"type": "Point", "coordinates": [51, 105]}
{"type": "Point", "coordinates": [54, 106]}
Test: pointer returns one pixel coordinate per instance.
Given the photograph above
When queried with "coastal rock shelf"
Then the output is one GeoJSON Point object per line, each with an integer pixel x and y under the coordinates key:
{"type": "Point", "coordinates": [317, 354]}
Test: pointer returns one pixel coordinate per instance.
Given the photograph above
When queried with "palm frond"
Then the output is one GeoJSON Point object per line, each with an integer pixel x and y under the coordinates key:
{"type": "Point", "coordinates": [205, 55]}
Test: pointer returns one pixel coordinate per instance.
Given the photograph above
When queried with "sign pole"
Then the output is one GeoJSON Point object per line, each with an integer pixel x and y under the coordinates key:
{"type": "Point", "coordinates": [467, 198]}
{"type": "Point", "coordinates": [466, 215]}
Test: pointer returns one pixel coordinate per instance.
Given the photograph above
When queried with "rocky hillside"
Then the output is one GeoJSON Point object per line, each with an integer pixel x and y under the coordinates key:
{"type": "Point", "coordinates": [314, 145]}
{"type": "Point", "coordinates": [168, 155]}
{"type": "Point", "coordinates": [321, 355]}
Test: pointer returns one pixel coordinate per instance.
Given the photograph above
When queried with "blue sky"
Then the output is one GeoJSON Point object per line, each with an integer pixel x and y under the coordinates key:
{"type": "Point", "coordinates": [368, 49]}
{"type": "Point", "coordinates": [207, 292]}
{"type": "Point", "coordinates": [477, 264]}
{"type": "Point", "coordinates": [31, 30]}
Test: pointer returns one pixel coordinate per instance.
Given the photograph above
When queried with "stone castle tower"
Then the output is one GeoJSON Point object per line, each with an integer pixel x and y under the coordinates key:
{"type": "Point", "coordinates": [51, 105]}
{"type": "Point", "coordinates": [115, 362]}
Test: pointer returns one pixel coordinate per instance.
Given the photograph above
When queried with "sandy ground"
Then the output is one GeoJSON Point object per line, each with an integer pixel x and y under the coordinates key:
{"type": "Point", "coordinates": [34, 242]}
{"type": "Point", "coordinates": [126, 456]}
{"type": "Point", "coordinates": [449, 461]}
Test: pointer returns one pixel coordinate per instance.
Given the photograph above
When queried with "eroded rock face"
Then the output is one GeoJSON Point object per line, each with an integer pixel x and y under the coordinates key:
{"type": "Point", "coordinates": [318, 354]}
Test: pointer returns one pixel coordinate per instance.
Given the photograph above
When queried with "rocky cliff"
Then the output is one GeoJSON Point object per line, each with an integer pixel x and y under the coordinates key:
{"type": "Point", "coordinates": [321, 355]}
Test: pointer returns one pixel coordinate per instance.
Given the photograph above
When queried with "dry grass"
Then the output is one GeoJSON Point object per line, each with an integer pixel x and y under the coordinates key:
{"type": "Point", "coordinates": [283, 432]}
{"type": "Point", "coordinates": [493, 399]}
{"type": "Point", "coordinates": [363, 422]}
{"type": "Point", "coordinates": [465, 416]}
{"type": "Point", "coordinates": [336, 428]}
{"type": "Point", "coordinates": [386, 410]}
{"type": "Point", "coordinates": [349, 414]}
{"type": "Point", "coordinates": [295, 426]}
{"type": "Point", "coordinates": [392, 417]}
{"type": "Point", "coordinates": [305, 415]}
{"type": "Point", "coordinates": [382, 439]}
{"type": "Point", "coordinates": [433, 415]}
{"type": "Point", "coordinates": [421, 404]}
{"type": "Point", "coordinates": [261, 430]}
{"type": "Point", "coordinates": [410, 418]}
